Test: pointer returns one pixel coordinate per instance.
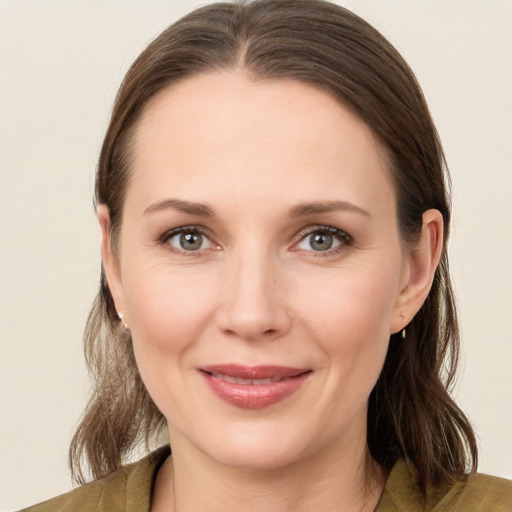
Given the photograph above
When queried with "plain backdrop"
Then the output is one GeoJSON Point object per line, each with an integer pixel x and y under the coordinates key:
{"type": "Point", "coordinates": [60, 65]}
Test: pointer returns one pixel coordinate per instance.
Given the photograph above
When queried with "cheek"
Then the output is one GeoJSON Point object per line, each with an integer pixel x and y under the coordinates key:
{"type": "Point", "coordinates": [351, 303]}
{"type": "Point", "coordinates": [168, 307]}
{"type": "Point", "coordinates": [168, 311]}
{"type": "Point", "coordinates": [349, 315]}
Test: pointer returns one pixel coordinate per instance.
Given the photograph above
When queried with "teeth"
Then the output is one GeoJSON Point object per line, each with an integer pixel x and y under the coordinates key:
{"type": "Point", "coordinates": [239, 380]}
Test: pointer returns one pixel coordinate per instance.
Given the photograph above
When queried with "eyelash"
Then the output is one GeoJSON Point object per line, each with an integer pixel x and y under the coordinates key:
{"type": "Point", "coordinates": [168, 235]}
{"type": "Point", "coordinates": [344, 238]}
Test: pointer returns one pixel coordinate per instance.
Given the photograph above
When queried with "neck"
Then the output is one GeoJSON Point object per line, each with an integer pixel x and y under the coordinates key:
{"type": "Point", "coordinates": [344, 481]}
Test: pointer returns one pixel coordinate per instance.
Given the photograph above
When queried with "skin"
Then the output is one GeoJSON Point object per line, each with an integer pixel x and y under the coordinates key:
{"type": "Point", "coordinates": [258, 292]}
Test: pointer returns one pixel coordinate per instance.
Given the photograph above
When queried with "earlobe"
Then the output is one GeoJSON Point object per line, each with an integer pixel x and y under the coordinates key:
{"type": "Point", "coordinates": [110, 258]}
{"type": "Point", "coordinates": [422, 262]}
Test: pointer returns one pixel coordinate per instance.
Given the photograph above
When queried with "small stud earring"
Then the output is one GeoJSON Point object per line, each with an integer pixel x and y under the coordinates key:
{"type": "Point", "coordinates": [402, 316]}
{"type": "Point", "coordinates": [121, 316]}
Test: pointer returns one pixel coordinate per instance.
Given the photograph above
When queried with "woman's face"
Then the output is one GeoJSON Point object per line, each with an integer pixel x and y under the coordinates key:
{"type": "Point", "coordinates": [260, 268]}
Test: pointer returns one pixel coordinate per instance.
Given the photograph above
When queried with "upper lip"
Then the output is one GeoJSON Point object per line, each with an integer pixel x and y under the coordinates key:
{"type": "Point", "coordinates": [254, 372]}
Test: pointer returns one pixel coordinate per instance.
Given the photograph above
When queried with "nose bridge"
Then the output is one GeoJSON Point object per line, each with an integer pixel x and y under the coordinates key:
{"type": "Point", "coordinates": [253, 303]}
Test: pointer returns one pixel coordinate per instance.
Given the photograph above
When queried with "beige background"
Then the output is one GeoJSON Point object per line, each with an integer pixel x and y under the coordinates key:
{"type": "Point", "coordinates": [61, 63]}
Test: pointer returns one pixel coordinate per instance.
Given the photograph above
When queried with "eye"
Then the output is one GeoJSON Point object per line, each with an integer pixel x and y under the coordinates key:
{"type": "Point", "coordinates": [188, 239]}
{"type": "Point", "coordinates": [323, 240]}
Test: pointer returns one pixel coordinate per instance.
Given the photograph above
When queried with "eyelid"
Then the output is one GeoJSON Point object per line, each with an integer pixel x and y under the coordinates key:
{"type": "Point", "coordinates": [342, 236]}
{"type": "Point", "coordinates": [193, 228]}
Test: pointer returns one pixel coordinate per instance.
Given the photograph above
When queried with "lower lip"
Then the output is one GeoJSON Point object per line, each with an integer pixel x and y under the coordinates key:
{"type": "Point", "coordinates": [255, 396]}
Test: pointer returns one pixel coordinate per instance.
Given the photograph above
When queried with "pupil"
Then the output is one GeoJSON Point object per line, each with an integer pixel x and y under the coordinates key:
{"type": "Point", "coordinates": [321, 242]}
{"type": "Point", "coordinates": [191, 241]}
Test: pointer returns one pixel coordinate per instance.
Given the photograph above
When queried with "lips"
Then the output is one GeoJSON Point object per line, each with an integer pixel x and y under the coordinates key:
{"type": "Point", "coordinates": [254, 387]}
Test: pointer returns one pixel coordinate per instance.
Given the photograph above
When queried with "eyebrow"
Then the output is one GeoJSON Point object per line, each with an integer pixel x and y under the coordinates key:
{"type": "Point", "coordinates": [184, 206]}
{"type": "Point", "coordinates": [299, 210]}
{"type": "Point", "coordinates": [326, 207]}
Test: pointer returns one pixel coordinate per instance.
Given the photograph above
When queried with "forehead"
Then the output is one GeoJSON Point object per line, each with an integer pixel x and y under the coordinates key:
{"type": "Point", "coordinates": [221, 133]}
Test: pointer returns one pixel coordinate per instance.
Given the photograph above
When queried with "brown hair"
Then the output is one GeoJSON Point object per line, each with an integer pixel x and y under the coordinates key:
{"type": "Point", "coordinates": [411, 413]}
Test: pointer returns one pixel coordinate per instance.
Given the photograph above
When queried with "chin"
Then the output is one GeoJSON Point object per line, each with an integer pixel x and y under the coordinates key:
{"type": "Point", "coordinates": [269, 444]}
{"type": "Point", "coordinates": [254, 456]}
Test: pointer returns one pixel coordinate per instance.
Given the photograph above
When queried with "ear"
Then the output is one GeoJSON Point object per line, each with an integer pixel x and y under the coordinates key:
{"type": "Point", "coordinates": [110, 258]}
{"type": "Point", "coordinates": [419, 269]}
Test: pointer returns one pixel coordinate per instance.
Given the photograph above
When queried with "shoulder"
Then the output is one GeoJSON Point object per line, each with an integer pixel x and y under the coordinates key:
{"type": "Point", "coordinates": [129, 488]}
{"type": "Point", "coordinates": [475, 493]}
{"type": "Point", "coordinates": [478, 493]}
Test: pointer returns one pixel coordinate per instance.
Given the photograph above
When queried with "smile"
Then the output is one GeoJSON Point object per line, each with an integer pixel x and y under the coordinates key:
{"type": "Point", "coordinates": [251, 382]}
{"type": "Point", "coordinates": [254, 387]}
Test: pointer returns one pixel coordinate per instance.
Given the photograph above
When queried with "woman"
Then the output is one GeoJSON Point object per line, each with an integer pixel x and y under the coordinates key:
{"type": "Point", "coordinates": [275, 290]}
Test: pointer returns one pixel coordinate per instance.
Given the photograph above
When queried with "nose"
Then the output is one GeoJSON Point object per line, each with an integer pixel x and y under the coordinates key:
{"type": "Point", "coordinates": [253, 300]}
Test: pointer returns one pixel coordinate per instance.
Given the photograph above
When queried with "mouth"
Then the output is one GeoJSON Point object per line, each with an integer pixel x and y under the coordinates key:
{"type": "Point", "coordinates": [249, 382]}
{"type": "Point", "coordinates": [254, 387]}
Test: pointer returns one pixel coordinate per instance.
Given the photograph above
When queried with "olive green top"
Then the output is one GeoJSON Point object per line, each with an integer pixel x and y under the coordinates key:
{"type": "Point", "coordinates": [129, 490]}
